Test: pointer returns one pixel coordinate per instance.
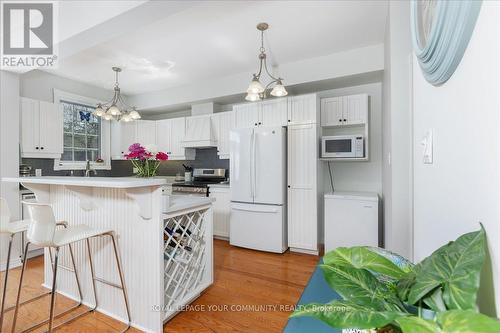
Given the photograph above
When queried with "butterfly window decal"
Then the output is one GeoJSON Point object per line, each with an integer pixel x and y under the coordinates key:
{"type": "Point", "coordinates": [85, 116]}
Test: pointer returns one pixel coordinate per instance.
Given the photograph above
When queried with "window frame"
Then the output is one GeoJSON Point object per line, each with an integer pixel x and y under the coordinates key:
{"type": "Point", "coordinates": [105, 134]}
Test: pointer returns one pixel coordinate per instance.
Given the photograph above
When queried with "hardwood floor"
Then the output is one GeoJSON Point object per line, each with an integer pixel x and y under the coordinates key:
{"type": "Point", "coordinates": [253, 292]}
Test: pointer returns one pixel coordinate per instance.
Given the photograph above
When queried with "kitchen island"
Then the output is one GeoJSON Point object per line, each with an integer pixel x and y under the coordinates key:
{"type": "Point", "coordinates": [165, 244]}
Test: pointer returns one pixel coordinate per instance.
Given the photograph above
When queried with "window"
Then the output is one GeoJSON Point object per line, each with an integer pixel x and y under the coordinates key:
{"type": "Point", "coordinates": [85, 136]}
{"type": "Point", "coordinates": [82, 133]}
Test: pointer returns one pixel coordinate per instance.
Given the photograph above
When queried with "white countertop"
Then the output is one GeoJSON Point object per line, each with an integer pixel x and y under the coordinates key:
{"type": "Point", "coordinates": [113, 182]}
{"type": "Point", "coordinates": [220, 186]}
{"type": "Point", "coordinates": [349, 195]}
{"type": "Point", "coordinates": [181, 202]}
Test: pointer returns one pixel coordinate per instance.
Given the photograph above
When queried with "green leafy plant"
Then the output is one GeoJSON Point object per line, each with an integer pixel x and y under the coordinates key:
{"type": "Point", "coordinates": [384, 291]}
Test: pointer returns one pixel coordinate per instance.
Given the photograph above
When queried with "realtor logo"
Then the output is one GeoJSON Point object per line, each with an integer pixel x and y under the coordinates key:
{"type": "Point", "coordinates": [28, 34]}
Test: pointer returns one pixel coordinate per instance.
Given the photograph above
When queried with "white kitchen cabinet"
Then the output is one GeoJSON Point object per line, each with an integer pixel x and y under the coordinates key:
{"type": "Point", "coordinates": [41, 129]}
{"type": "Point", "coordinates": [303, 188]}
{"type": "Point", "coordinates": [163, 135]}
{"type": "Point", "coordinates": [222, 210]}
{"type": "Point", "coordinates": [344, 110]}
{"type": "Point", "coordinates": [123, 134]}
{"type": "Point", "coordinates": [146, 132]}
{"type": "Point", "coordinates": [351, 219]}
{"type": "Point", "coordinates": [246, 115]}
{"type": "Point", "coordinates": [268, 113]}
{"type": "Point", "coordinates": [303, 109]}
{"type": "Point", "coordinates": [274, 112]}
{"type": "Point", "coordinates": [169, 136]}
{"type": "Point", "coordinates": [223, 123]}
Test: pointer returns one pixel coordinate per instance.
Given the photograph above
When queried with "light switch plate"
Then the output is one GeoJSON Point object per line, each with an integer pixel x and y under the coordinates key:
{"type": "Point", "coordinates": [427, 144]}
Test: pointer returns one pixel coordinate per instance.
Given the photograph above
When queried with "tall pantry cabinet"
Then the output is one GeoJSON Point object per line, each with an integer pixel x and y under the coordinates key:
{"type": "Point", "coordinates": [304, 174]}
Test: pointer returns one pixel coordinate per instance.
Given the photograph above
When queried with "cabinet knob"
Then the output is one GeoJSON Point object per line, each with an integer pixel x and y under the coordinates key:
{"type": "Point", "coordinates": [340, 120]}
{"type": "Point", "coordinates": [41, 148]}
{"type": "Point", "coordinates": [260, 123]}
{"type": "Point", "coordinates": [288, 186]}
{"type": "Point", "coordinates": [36, 148]}
{"type": "Point", "coordinates": [345, 119]}
{"type": "Point", "coordinates": [288, 120]}
{"type": "Point", "coordinates": [255, 124]}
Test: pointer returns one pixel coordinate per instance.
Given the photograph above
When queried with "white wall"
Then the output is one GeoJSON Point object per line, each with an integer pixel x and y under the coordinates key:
{"type": "Point", "coordinates": [360, 176]}
{"type": "Point", "coordinates": [462, 187]}
{"type": "Point", "coordinates": [397, 180]}
{"type": "Point", "coordinates": [40, 85]}
{"type": "Point", "coordinates": [9, 151]}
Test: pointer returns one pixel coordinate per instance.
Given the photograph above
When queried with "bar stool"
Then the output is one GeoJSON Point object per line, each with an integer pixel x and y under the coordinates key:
{"type": "Point", "coordinates": [12, 228]}
{"type": "Point", "coordinates": [42, 232]}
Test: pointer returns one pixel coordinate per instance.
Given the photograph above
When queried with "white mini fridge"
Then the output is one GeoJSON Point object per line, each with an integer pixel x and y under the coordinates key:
{"type": "Point", "coordinates": [258, 188]}
{"type": "Point", "coordinates": [351, 219]}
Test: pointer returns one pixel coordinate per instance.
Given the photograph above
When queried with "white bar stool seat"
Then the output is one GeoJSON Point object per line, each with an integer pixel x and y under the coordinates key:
{"type": "Point", "coordinates": [42, 232]}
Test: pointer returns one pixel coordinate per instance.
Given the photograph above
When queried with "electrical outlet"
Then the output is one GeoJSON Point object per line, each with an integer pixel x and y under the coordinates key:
{"type": "Point", "coordinates": [135, 170]}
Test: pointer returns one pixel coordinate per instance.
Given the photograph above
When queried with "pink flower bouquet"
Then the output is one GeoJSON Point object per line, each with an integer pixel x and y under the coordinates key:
{"type": "Point", "coordinates": [145, 159]}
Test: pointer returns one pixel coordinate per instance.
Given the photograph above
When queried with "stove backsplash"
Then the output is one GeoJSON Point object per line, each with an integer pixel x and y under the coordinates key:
{"type": "Point", "coordinates": [205, 158]}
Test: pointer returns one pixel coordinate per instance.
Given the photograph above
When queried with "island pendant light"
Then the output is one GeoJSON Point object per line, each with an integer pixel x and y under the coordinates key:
{"type": "Point", "coordinates": [256, 91]}
{"type": "Point", "coordinates": [117, 109]}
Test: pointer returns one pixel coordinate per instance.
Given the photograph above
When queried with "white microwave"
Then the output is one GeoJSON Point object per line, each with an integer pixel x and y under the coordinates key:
{"type": "Point", "coordinates": [342, 146]}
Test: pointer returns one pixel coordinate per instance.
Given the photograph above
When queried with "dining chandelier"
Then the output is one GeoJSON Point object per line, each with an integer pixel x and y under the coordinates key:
{"type": "Point", "coordinates": [256, 91]}
{"type": "Point", "coordinates": [117, 109]}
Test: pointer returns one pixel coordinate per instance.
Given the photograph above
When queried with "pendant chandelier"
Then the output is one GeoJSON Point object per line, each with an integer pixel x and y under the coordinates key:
{"type": "Point", "coordinates": [117, 109]}
{"type": "Point", "coordinates": [256, 91]}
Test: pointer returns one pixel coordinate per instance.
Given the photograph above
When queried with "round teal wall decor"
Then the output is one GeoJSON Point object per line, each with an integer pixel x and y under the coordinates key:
{"type": "Point", "coordinates": [441, 31]}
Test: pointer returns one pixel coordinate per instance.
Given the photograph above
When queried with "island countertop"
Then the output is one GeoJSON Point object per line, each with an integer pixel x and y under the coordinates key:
{"type": "Point", "coordinates": [111, 182]}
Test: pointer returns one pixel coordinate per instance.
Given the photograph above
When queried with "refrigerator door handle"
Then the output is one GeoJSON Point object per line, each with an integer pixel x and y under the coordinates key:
{"type": "Point", "coordinates": [252, 138]}
{"type": "Point", "coordinates": [254, 159]}
{"type": "Point", "coordinates": [272, 211]}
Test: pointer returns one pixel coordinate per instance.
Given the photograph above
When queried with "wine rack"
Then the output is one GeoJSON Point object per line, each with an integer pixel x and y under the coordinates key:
{"type": "Point", "coordinates": [184, 256]}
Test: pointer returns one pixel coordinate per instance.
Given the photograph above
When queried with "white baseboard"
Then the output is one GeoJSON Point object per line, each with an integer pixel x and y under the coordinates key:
{"type": "Point", "coordinates": [16, 262]}
{"type": "Point", "coordinates": [311, 252]}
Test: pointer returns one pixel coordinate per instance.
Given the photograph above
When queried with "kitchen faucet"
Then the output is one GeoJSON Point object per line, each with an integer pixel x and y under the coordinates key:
{"type": "Point", "coordinates": [88, 169]}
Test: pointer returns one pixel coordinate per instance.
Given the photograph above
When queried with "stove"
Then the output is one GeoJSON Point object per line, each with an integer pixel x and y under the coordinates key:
{"type": "Point", "coordinates": [202, 178]}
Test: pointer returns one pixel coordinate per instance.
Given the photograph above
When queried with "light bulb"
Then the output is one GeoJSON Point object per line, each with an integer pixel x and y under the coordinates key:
{"type": "Point", "coordinates": [135, 115]}
{"type": "Point", "coordinates": [107, 116]}
{"type": "Point", "coordinates": [99, 112]}
{"type": "Point", "coordinates": [255, 86]}
{"type": "Point", "coordinates": [252, 97]}
{"type": "Point", "coordinates": [126, 117]}
{"type": "Point", "coordinates": [279, 90]}
{"type": "Point", "coordinates": [114, 111]}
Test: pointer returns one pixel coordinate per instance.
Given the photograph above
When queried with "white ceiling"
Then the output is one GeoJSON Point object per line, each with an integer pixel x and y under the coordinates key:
{"type": "Point", "coordinates": [218, 38]}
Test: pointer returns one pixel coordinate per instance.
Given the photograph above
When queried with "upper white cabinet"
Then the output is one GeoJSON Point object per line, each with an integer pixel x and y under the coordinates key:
{"type": "Point", "coordinates": [267, 113]}
{"type": "Point", "coordinates": [222, 123]}
{"type": "Point", "coordinates": [344, 110]}
{"type": "Point", "coordinates": [303, 109]}
{"type": "Point", "coordinates": [169, 136]}
{"type": "Point", "coordinates": [123, 134]}
{"type": "Point", "coordinates": [41, 129]}
{"type": "Point", "coordinates": [146, 132]}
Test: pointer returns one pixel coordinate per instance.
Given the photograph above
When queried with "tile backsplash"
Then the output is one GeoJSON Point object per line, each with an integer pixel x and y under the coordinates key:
{"type": "Point", "coordinates": [205, 158]}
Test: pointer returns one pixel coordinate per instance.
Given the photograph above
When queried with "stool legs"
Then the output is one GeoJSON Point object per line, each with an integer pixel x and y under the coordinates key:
{"type": "Point", "coordinates": [19, 289]}
{"type": "Point", "coordinates": [122, 280]}
{"type": "Point", "coordinates": [53, 296]}
{"type": "Point", "coordinates": [11, 238]}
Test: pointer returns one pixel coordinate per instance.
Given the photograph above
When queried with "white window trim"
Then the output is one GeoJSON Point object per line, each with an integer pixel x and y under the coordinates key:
{"type": "Point", "coordinates": [105, 135]}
